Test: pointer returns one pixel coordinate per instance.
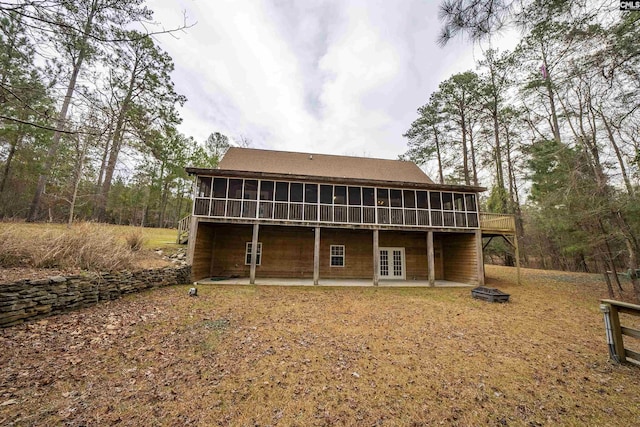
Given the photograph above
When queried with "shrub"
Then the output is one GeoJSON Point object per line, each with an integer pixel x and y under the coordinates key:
{"type": "Point", "coordinates": [135, 240]}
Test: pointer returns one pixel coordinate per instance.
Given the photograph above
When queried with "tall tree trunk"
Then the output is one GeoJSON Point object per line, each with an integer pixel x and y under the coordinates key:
{"type": "Point", "coordinates": [474, 169]}
{"type": "Point", "coordinates": [62, 117]}
{"type": "Point", "coordinates": [465, 150]}
{"type": "Point", "coordinates": [7, 166]}
{"type": "Point", "coordinates": [82, 154]}
{"type": "Point", "coordinates": [438, 154]}
{"type": "Point", "coordinates": [118, 135]}
{"type": "Point", "coordinates": [616, 149]}
{"type": "Point", "coordinates": [552, 103]}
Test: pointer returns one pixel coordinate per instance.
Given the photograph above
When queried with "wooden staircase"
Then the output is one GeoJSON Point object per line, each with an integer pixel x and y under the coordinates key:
{"type": "Point", "coordinates": [183, 230]}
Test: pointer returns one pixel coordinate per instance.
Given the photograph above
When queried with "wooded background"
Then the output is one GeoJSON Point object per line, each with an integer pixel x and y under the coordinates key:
{"type": "Point", "coordinates": [89, 118]}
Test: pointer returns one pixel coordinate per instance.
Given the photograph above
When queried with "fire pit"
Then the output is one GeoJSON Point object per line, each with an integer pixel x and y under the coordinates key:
{"type": "Point", "coordinates": [489, 294]}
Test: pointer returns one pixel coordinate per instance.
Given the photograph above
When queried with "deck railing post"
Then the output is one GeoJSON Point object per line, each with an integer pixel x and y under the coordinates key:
{"type": "Point", "coordinates": [613, 332]}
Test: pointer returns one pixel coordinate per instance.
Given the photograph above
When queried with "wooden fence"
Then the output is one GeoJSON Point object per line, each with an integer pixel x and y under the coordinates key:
{"type": "Point", "coordinates": [611, 310]}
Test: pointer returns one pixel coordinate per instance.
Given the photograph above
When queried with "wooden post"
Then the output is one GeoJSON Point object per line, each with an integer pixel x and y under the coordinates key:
{"type": "Point", "coordinates": [193, 234]}
{"type": "Point", "coordinates": [479, 257]}
{"type": "Point", "coordinates": [431, 264]}
{"type": "Point", "coordinates": [254, 254]}
{"type": "Point", "coordinates": [376, 257]}
{"type": "Point", "coordinates": [617, 334]}
{"type": "Point", "coordinates": [316, 257]}
{"type": "Point", "coordinates": [515, 241]}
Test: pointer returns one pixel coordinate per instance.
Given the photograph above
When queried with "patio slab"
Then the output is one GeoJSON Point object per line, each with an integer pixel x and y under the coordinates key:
{"type": "Point", "coordinates": [332, 282]}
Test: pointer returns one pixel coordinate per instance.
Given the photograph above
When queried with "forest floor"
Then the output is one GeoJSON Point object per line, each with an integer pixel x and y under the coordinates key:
{"type": "Point", "coordinates": [247, 355]}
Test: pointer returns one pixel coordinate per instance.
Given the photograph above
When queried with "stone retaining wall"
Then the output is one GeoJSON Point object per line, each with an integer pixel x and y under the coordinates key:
{"type": "Point", "coordinates": [26, 300]}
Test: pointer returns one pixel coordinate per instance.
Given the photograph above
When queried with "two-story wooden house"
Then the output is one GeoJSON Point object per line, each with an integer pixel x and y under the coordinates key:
{"type": "Point", "coordinates": [298, 215]}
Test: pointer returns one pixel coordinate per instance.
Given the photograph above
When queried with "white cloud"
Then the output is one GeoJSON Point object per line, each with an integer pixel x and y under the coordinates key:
{"type": "Point", "coordinates": [342, 77]}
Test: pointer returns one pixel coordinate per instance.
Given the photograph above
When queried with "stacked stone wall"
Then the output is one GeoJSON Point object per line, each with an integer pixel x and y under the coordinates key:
{"type": "Point", "coordinates": [27, 300]}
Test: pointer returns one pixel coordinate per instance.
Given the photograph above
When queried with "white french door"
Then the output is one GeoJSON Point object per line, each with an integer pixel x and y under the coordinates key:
{"type": "Point", "coordinates": [392, 264]}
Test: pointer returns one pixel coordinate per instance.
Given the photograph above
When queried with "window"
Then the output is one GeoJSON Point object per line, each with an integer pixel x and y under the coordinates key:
{"type": "Point", "coordinates": [339, 195]}
{"type": "Point", "coordinates": [220, 188]}
{"type": "Point", "coordinates": [383, 197]}
{"type": "Point", "coordinates": [204, 186]}
{"type": "Point", "coordinates": [354, 196]}
{"type": "Point", "coordinates": [422, 199]}
{"type": "Point", "coordinates": [447, 201]}
{"type": "Point", "coordinates": [311, 193]}
{"type": "Point", "coordinates": [250, 189]}
{"type": "Point", "coordinates": [368, 197]}
{"type": "Point", "coordinates": [435, 200]}
{"type": "Point", "coordinates": [396, 198]}
{"type": "Point", "coordinates": [337, 255]}
{"type": "Point", "coordinates": [266, 190]}
{"type": "Point", "coordinates": [247, 254]}
{"type": "Point", "coordinates": [235, 189]}
{"type": "Point", "coordinates": [282, 191]}
{"type": "Point", "coordinates": [471, 202]}
{"type": "Point", "coordinates": [409, 198]}
{"type": "Point", "coordinates": [296, 192]}
{"type": "Point", "coordinates": [326, 194]}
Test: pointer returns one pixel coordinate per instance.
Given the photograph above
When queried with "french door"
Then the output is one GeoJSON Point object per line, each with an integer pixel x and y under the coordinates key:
{"type": "Point", "coordinates": [392, 263]}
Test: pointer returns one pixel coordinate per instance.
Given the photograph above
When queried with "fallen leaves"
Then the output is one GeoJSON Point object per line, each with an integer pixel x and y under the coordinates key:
{"type": "Point", "coordinates": [318, 356]}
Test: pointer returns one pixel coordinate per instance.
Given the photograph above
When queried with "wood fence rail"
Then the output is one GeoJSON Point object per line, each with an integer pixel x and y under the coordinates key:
{"type": "Point", "coordinates": [497, 222]}
{"type": "Point", "coordinates": [611, 310]}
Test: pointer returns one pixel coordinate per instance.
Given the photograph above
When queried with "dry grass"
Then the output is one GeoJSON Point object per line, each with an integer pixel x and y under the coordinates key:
{"type": "Point", "coordinates": [86, 246]}
{"type": "Point", "coordinates": [324, 356]}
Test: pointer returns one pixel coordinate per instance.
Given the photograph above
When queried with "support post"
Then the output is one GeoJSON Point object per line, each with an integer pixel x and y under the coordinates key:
{"type": "Point", "coordinates": [376, 257]}
{"type": "Point", "coordinates": [614, 332]}
{"type": "Point", "coordinates": [193, 234]}
{"type": "Point", "coordinates": [431, 265]}
{"type": "Point", "coordinates": [515, 241]}
{"type": "Point", "coordinates": [254, 254]}
{"type": "Point", "coordinates": [316, 257]}
{"type": "Point", "coordinates": [479, 257]}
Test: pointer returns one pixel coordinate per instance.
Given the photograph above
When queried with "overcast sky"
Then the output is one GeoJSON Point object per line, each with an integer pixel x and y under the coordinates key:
{"type": "Point", "coordinates": [335, 77]}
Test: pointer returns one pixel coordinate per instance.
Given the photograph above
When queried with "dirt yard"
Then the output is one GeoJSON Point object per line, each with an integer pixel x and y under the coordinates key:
{"type": "Point", "coordinates": [325, 356]}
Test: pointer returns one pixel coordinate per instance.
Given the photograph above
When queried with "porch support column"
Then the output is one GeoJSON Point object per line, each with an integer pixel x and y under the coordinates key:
{"type": "Point", "coordinates": [515, 240]}
{"type": "Point", "coordinates": [316, 257]}
{"type": "Point", "coordinates": [479, 257]}
{"type": "Point", "coordinates": [376, 257]}
{"type": "Point", "coordinates": [254, 254]}
{"type": "Point", "coordinates": [193, 234]}
{"type": "Point", "coordinates": [431, 259]}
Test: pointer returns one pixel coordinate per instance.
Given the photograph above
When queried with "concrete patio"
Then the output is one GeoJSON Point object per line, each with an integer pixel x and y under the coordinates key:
{"type": "Point", "coordinates": [332, 282]}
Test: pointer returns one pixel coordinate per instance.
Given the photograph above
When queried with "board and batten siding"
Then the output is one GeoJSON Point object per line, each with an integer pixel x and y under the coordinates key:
{"type": "Point", "coordinates": [202, 251]}
{"type": "Point", "coordinates": [460, 258]}
{"type": "Point", "coordinates": [287, 252]}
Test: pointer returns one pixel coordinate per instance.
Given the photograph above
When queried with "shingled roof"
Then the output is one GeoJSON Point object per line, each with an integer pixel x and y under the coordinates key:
{"type": "Point", "coordinates": [322, 165]}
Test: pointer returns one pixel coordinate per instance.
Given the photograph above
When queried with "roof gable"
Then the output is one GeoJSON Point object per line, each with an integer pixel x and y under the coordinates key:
{"type": "Point", "coordinates": [322, 165]}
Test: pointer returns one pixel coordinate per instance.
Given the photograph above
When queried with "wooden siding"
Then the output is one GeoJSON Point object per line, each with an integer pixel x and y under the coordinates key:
{"type": "Point", "coordinates": [460, 258]}
{"type": "Point", "coordinates": [200, 267]}
{"type": "Point", "coordinates": [288, 252]}
{"type": "Point", "coordinates": [358, 251]}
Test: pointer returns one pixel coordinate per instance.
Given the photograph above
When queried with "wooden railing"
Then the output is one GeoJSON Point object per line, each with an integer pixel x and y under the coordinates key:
{"type": "Point", "coordinates": [183, 229]}
{"type": "Point", "coordinates": [501, 223]}
{"type": "Point", "coordinates": [611, 310]}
